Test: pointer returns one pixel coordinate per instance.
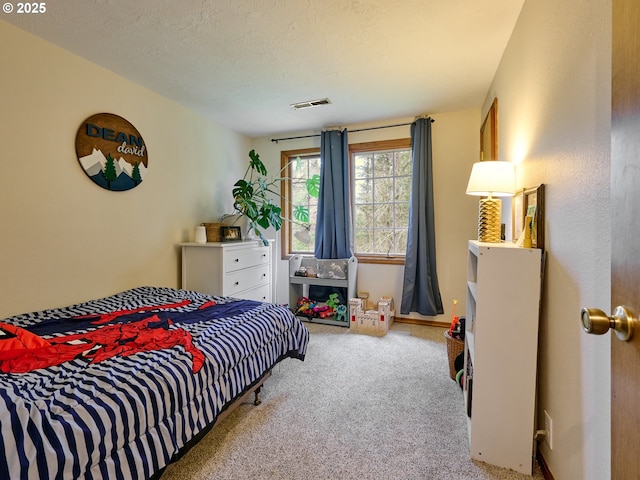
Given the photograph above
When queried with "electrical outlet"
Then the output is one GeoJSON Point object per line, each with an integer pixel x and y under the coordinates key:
{"type": "Point", "coordinates": [548, 427]}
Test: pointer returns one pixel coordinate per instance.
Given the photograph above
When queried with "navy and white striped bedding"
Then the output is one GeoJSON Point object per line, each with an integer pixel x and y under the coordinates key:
{"type": "Point", "coordinates": [126, 417]}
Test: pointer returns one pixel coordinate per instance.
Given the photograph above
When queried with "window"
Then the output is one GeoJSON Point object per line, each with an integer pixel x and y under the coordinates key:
{"type": "Point", "coordinates": [299, 166]}
{"type": "Point", "coordinates": [381, 191]}
{"type": "Point", "coordinates": [381, 180]}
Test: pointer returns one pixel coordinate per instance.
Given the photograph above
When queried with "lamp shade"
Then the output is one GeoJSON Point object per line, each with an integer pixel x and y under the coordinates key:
{"type": "Point", "coordinates": [303, 235]}
{"type": "Point", "coordinates": [492, 178]}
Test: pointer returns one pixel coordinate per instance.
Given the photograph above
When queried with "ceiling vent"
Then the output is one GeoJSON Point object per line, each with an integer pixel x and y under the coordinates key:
{"type": "Point", "coordinates": [310, 103]}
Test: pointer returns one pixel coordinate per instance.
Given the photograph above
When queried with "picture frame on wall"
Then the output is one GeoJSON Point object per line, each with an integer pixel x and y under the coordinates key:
{"type": "Point", "coordinates": [489, 134]}
{"type": "Point", "coordinates": [529, 202]}
{"type": "Point", "coordinates": [230, 234]}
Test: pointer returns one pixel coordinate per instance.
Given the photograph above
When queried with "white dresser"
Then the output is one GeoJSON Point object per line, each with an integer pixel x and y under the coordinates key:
{"type": "Point", "coordinates": [234, 269]}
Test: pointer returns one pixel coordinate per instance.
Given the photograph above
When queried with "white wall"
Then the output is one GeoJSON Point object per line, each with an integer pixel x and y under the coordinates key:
{"type": "Point", "coordinates": [456, 145]}
{"type": "Point", "coordinates": [553, 89]}
{"type": "Point", "coordinates": [64, 239]}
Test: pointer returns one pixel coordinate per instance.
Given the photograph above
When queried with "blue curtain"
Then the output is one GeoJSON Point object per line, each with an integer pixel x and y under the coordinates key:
{"type": "Point", "coordinates": [420, 290]}
{"type": "Point", "coordinates": [333, 223]}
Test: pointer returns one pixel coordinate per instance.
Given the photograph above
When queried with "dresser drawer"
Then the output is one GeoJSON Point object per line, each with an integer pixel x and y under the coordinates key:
{"type": "Point", "coordinates": [240, 258]}
{"type": "Point", "coordinates": [260, 294]}
{"type": "Point", "coordinates": [246, 279]}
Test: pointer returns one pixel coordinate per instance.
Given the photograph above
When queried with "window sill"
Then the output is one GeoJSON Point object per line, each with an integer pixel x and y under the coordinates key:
{"type": "Point", "coordinates": [373, 259]}
{"type": "Point", "coordinates": [380, 259]}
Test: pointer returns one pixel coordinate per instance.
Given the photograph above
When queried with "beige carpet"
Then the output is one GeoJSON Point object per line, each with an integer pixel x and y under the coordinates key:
{"type": "Point", "coordinates": [358, 407]}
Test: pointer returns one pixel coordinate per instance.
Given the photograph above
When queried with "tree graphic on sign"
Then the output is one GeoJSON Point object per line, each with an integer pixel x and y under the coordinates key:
{"type": "Point", "coordinates": [109, 171]}
{"type": "Point", "coordinates": [135, 174]}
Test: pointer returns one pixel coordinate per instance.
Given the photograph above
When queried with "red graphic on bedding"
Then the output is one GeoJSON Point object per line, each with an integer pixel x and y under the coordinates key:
{"type": "Point", "coordinates": [22, 351]}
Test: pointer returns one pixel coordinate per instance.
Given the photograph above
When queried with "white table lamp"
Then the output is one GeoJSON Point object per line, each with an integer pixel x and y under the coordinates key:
{"type": "Point", "coordinates": [491, 179]}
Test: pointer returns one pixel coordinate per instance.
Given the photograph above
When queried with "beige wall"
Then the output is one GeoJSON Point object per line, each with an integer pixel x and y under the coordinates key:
{"type": "Point", "coordinates": [64, 239]}
{"type": "Point", "coordinates": [456, 144]}
{"type": "Point", "coordinates": [553, 88]}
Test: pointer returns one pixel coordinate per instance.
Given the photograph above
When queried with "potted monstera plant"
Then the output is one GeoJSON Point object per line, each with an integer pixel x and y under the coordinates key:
{"type": "Point", "coordinates": [254, 197]}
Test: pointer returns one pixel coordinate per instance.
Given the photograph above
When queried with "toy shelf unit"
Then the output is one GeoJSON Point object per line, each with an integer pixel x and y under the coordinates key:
{"type": "Point", "coordinates": [318, 281]}
{"type": "Point", "coordinates": [501, 350]}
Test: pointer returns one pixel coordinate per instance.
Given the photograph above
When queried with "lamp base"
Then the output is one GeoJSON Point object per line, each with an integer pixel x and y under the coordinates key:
{"type": "Point", "coordinates": [489, 220]}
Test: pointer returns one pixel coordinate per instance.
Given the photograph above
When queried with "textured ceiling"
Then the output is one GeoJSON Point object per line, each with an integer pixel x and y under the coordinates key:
{"type": "Point", "coordinates": [243, 62]}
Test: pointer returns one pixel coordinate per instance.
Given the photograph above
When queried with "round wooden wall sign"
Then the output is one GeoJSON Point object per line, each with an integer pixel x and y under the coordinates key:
{"type": "Point", "coordinates": [111, 152]}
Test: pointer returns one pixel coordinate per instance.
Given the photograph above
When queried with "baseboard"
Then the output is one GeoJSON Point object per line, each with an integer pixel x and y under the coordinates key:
{"type": "Point", "coordinates": [418, 321]}
{"type": "Point", "coordinates": [546, 473]}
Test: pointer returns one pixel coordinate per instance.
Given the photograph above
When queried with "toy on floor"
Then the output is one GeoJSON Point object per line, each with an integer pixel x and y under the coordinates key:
{"type": "Point", "coordinates": [323, 311]}
{"type": "Point", "coordinates": [333, 301]}
{"type": "Point", "coordinates": [311, 308]}
{"type": "Point", "coordinates": [372, 322]}
{"type": "Point", "coordinates": [305, 307]}
{"type": "Point", "coordinates": [456, 329]}
{"type": "Point", "coordinates": [454, 319]}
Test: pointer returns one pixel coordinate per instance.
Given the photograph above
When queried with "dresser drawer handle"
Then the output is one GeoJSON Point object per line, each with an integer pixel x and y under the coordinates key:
{"type": "Point", "coordinates": [237, 283]}
{"type": "Point", "coordinates": [237, 260]}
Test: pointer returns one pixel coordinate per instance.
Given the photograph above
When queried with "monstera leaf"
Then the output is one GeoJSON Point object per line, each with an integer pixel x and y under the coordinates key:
{"type": "Point", "coordinates": [313, 186]}
{"type": "Point", "coordinates": [252, 197]}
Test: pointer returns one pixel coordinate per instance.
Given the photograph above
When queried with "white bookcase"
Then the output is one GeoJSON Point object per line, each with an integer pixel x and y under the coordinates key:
{"type": "Point", "coordinates": [501, 349]}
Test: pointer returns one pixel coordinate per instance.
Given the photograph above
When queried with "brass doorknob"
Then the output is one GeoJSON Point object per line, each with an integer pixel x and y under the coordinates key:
{"type": "Point", "coordinates": [596, 322]}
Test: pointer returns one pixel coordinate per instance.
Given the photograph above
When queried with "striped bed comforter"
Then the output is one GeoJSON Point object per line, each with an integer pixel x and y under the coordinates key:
{"type": "Point", "coordinates": [131, 379]}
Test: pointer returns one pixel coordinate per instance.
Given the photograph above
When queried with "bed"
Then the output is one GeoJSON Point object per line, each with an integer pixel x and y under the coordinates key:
{"type": "Point", "coordinates": [119, 387]}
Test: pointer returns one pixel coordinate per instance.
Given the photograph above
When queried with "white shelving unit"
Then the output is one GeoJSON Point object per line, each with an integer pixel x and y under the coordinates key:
{"type": "Point", "coordinates": [299, 286]}
{"type": "Point", "coordinates": [501, 351]}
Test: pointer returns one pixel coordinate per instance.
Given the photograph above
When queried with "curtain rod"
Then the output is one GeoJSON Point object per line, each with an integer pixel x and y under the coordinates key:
{"type": "Point", "coordinates": [276, 140]}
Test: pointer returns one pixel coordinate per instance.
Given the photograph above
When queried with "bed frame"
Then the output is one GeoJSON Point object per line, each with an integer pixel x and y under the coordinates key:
{"type": "Point", "coordinates": [255, 389]}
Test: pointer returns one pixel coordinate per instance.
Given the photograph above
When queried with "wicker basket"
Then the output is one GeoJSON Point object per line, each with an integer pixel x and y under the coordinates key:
{"type": "Point", "coordinates": [454, 348]}
{"type": "Point", "coordinates": [213, 231]}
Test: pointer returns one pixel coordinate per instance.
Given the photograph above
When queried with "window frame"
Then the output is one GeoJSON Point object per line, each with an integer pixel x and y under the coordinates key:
{"type": "Point", "coordinates": [376, 146]}
{"type": "Point", "coordinates": [285, 190]}
{"type": "Point", "coordinates": [355, 148]}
